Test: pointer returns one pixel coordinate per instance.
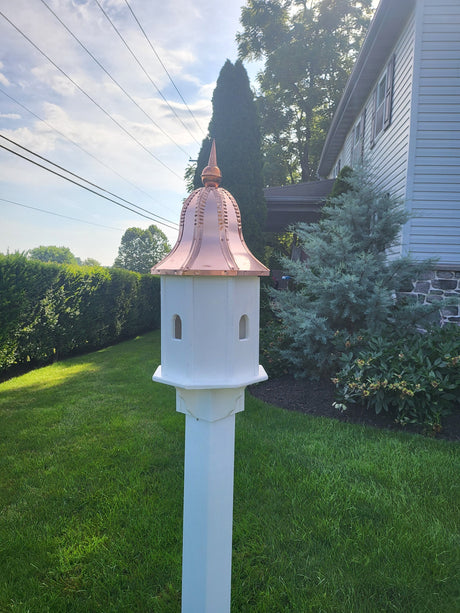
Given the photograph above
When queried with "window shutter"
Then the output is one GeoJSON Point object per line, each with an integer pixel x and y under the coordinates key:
{"type": "Point", "coordinates": [374, 108]}
{"type": "Point", "coordinates": [363, 132]}
{"type": "Point", "coordinates": [389, 92]}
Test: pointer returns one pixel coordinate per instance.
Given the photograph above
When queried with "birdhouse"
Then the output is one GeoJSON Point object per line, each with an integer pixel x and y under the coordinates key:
{"type": "Point", "coordinates": [210, 295]}
{"type": "Point", "coordinates": [209, 353]}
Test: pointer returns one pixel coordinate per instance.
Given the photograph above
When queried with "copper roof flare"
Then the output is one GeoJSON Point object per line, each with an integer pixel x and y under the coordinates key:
{"type": "Point", "coordinates": [210, 240]}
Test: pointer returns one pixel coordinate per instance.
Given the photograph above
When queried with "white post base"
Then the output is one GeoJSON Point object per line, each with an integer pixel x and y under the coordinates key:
{"type": "Point", "coordinates": [208, 514]}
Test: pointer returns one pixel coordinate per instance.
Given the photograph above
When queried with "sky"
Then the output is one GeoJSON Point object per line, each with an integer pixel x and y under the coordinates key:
{"type": "Point", "coordinates": [124, 115]}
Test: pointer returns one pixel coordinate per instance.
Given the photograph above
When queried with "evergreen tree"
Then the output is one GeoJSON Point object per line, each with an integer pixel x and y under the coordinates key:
{"type": "Point", "coordinates": [341, 184]}
{"type": "Point", "coordinates": [348, 284]}
{"type": "Point", "coordinates": [141, 249]}
{"type": "Point", "coordinates": [234, 125]}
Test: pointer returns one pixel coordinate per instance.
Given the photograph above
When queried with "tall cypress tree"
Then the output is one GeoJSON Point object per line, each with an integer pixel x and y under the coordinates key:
{"type": "Point", "coordinates": [235, 127]}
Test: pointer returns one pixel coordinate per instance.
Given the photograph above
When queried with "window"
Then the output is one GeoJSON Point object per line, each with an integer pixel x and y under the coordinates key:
{"type": "Point", "coordinates": [380, 105]}
{"type": "Point", "coordinates": [357, 141]}
{"type": "Point", "coordinates": [243, 327]}
{"type": "Point", "coordinates": [338, 168]}
{"type": "Point", "coordinates": [383, 99]}
{"type": "Point", "coordinates": [177, 327]}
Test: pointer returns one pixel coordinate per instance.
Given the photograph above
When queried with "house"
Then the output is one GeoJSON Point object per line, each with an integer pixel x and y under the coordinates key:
{"type": "Point", "coordinates": [400, 111]}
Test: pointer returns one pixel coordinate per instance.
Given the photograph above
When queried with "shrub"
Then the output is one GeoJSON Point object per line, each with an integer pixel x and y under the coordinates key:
{"type": "Point", "coordinates": [415, 378]}
{"type": "Point", "coordinates": [348, 282]}
{"type": "Point", "coordinates": [50, 310]}
{"type": "Point", "coordinates": [341, 184]}
{"type": "Point", "coordinates": [273, 342]}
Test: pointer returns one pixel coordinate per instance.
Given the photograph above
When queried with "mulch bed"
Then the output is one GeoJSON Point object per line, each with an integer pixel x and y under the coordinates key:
{"type": "Point", "coordinates": [316, 398]}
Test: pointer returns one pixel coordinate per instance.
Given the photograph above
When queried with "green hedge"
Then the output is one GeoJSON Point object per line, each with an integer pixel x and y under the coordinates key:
{"type": "Point", "coordinates": [49, 311]}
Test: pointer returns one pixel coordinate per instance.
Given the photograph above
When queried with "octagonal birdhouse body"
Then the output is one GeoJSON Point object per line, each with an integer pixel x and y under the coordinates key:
{"type": "Point", "coordinates": [210, 296]}
{"type": "Point", "coordinates": [210, 332]}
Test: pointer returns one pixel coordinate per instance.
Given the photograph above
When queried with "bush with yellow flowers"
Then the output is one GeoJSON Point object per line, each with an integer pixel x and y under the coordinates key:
{"type": "Point", "coordinates": [413, 376]}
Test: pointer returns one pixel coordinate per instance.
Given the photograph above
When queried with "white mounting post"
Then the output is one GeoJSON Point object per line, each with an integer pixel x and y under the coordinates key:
{"type": "Point", "coordinates": [208, 515]}
{"type": "Point", "coordinates": [208, 497]}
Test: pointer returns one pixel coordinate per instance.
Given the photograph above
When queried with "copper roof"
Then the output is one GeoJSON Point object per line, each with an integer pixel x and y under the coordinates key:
{"type": "Point", "coordinates": [210, 238]}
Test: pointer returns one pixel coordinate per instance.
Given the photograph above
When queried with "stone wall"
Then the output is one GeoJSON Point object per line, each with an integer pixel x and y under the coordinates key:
{"type": "Point", "coordinates": [437, 285]}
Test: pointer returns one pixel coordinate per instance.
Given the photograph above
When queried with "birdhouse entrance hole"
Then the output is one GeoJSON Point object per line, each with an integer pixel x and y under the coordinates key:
{"type": "Point", "coordinates": [177, 327]}
{"type": "Point", "coordinates": [243, 331]}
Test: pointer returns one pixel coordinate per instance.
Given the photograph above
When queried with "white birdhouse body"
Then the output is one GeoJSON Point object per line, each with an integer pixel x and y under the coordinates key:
{"type": "Point", "coordinates": [210, 332]}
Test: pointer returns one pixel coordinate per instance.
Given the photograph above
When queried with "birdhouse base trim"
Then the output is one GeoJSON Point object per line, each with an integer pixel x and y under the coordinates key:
{"type": "Point", "coordinates": [209, 385]}
{"type": "Point", "coordinates": [210, 405]}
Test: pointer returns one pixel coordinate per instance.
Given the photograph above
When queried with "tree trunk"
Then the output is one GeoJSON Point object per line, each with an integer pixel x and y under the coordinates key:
{"type": "Point", "coordinates": [304, 163]}
{"type": "Point", "coordinates": [305, 147]}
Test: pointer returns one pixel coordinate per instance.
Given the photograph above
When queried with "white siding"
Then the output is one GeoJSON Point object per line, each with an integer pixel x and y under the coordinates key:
{"type": "Point", "coordinates": [433, 189]}
{"type": "Point", "coordinates": [418, 157]}
{"type": "Point", "coordinates": [388, 157]}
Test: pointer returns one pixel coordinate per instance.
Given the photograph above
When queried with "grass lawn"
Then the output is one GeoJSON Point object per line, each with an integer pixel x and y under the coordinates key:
{"type": "Point", "coordinates": [328, 516]}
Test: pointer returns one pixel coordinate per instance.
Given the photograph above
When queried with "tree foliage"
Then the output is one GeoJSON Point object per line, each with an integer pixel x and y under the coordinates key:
{"type": "Point", "coordinates": [90, 262]}
{"type": "Point", "coordinates": [141, 249]}
{"type": "Point", "coordinates": [235, 126]}
{"type": "Point", "coordinates": [50, 253]}
{"type": "Point", "coordinates": [309, 48]}
{"type": "Point", "coordinates": [348, 284]}
{"type": "Point", "coordinates": [341, 184]}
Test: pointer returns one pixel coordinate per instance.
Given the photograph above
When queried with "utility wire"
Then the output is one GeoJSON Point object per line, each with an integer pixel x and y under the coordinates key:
{"type": "Point", "coordinates": [79, 146]}
{"type": "Point", "coordinates": [84, 187]}
{"type": "Point", "coordinates": [164, 67]}
{"type": "Point", "coordinates": [90, 98]}
{"type": "Point", "coordinates": [143, 70]}
{"type": "Point", "coordinates": [83, 179]}
{"type": "Point", "coordinates": [113, 79]}
{"type": "Point", "coordinates": [34, 208]}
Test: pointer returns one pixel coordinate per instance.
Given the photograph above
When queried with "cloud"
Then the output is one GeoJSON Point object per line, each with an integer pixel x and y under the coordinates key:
{"type": "Point", "coordinates": [48, 76]}
{"type": "Point", "coordinates": [41, 139]}
{"type": "Point", "coordinates": [192, 45]}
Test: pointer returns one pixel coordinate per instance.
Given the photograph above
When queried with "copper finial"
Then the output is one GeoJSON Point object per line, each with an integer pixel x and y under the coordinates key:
{"type": "Point", "coordinates": [211, 175]}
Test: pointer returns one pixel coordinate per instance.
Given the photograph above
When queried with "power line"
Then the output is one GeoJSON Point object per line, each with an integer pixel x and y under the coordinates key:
{"type": "Point", "coordinates": [34, 208]}
{"type": "Point", "coordinates": [77, 145]}
{"type": "Point", "coordinates": [85, 180]}
{"type": "Point", "coordinates": [113, 79]}
{"type": "Point", "coordinates": [90, 98]}
{"type": "Point", "coordinates": [143, 70]}
{"type": "Point", "coordinates": [164, 67]}
{"type": "Point", "coordinates": [84, 187]}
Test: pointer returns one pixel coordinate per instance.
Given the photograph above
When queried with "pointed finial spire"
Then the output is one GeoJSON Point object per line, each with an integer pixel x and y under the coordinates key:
{"type": "Point", "coordinates": [212, 154]}
{"type": "Point", "coordinates": [211, 175]}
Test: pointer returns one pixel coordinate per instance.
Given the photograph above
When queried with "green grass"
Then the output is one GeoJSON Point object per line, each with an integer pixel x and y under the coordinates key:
{"type": "Point", "coordinates": [327, 516]}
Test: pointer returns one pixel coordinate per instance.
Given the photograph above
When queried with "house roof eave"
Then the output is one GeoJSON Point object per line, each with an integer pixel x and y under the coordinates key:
{"type": "Point", "coordinates": [299, 202]}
